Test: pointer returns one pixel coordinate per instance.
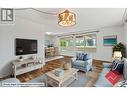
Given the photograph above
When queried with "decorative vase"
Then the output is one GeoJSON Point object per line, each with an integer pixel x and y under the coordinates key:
{"type": "Point", "coordinates": [66, 66]}
{"type": "Point", "coordinates": [20, 58]}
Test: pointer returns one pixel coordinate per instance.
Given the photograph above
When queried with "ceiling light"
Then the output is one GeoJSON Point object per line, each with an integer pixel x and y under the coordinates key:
{"type": "Point", "coordinates": [67, 18]}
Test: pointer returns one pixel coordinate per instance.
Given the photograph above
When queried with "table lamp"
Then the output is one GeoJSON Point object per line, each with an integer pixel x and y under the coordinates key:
{"type": "Point", "coordinates": [117, 55]}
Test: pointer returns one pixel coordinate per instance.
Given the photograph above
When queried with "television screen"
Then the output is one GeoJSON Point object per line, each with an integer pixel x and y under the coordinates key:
{"type": "Point", "coordinates": [25, 46]}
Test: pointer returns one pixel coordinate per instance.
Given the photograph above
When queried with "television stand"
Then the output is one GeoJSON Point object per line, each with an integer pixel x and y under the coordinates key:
{"type": "Point", "coordinates": [27, 65]}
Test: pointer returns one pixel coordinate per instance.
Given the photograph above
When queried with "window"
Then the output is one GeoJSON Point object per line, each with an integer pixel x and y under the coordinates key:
{"type": "Point", "coordinates": [67, 43]}
{"type": "Point", "coordinates": [78, 43]}
{"type": "Point", "coordinates": [90, 41]}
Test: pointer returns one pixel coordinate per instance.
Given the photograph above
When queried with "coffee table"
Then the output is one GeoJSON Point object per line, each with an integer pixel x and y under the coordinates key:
{"type": "Point", "coordinates": [61, 81]}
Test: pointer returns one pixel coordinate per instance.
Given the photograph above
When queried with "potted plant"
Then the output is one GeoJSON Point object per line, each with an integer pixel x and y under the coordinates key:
{"type": "Point", "coordinates": [120, 47]}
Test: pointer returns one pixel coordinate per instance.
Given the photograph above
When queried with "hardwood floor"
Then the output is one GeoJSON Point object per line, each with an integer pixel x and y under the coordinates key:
{"type": "Point", "coordinates": [51, 66]}
{"type": "Point", "coordinates": [48, 67]}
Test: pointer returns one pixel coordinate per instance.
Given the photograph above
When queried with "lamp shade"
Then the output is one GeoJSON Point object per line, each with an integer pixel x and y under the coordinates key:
{"type": "Point", "coordinates": [67, 18]}
{"type": "Point", "coordinates": [117, 54]}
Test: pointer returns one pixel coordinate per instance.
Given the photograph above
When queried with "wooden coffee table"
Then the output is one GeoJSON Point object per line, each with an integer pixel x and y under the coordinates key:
{"type": "Point", "coordinates": [62, 81]}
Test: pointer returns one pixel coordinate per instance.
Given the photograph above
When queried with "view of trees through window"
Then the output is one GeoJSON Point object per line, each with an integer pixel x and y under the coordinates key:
{"type": "Point", "coordinates": [67, 43]}
{"type": "Point", "coordinates": [78, 42]}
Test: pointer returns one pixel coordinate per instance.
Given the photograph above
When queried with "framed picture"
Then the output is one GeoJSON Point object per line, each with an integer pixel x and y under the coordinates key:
{"type": "Point", "coordinates": [110, 40]}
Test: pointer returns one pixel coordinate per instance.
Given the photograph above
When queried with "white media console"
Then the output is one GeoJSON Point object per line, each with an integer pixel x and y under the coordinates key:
{"type": "Point", "coordinates": [27, 65]}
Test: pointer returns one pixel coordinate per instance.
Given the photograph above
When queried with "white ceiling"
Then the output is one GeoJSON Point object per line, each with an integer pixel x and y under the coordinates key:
{"type": "Point", "coordinates": [86, 19]}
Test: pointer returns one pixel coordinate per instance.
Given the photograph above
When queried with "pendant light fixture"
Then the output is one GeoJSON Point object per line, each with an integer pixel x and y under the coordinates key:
{"type": "Point", "coordinates": [66, 18]}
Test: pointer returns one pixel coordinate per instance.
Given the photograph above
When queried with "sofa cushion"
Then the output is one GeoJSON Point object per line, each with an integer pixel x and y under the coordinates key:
{"type": "Point", "coordinates": [80, 63]}
{"type": "Point", "coordinates": [125, 69]}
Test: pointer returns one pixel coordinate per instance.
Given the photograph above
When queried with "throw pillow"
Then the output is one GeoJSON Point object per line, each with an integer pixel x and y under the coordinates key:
{"type": "Point", "coordinates": [77, 56]}
{"type": "Point", "coordinates": [85, 57]}
{"type": "Point", "coordinates": [121, 84]}
{"type": "Point", "coordinates": [118, 66]}
{"type": "Point", "coordinates": [114, 63]}
{"type": "Point", "coordinates": [81, 56]}
{"type": "Point", "coordinates": [113, 77]}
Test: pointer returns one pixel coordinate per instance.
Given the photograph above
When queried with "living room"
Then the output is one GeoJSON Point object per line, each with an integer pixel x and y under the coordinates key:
{"type": "Point", "coordinates": [41, 26]}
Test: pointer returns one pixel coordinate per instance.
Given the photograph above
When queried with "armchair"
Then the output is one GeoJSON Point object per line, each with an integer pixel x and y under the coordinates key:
{"type": "Point", "coordinates": [82, 61]}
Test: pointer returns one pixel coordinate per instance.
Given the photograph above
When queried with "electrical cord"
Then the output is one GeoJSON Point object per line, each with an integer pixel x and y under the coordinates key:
{"type": "Point", "coordinates": [36, 10]}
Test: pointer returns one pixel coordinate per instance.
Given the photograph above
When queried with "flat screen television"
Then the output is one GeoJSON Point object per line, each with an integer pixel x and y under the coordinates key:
{"type": "Point", "coordinates": [25, 46]}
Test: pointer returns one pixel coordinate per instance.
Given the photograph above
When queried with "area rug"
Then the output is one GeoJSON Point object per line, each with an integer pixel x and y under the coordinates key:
{"type": "Point", "coordinates": [81, 82]}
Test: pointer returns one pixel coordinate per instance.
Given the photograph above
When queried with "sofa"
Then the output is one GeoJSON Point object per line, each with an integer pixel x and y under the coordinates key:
{"type": "Point", "coordinates": [82, 61]}
{"type": "Point", "coordinates": [104, 82]}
